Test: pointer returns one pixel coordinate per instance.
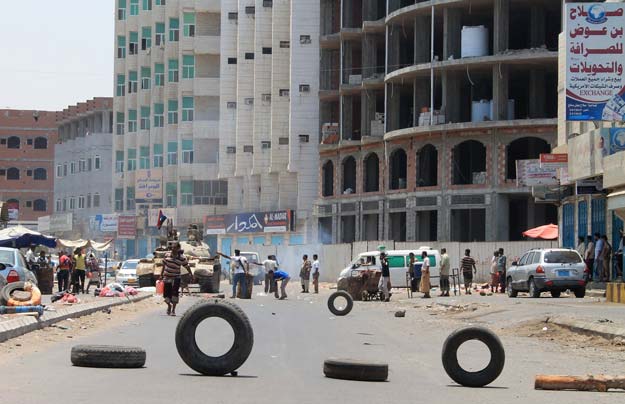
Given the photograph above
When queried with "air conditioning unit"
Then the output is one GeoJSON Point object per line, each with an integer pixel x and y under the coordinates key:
{"type": "Point", "coordinates": [304, 88]}
{"type": "Point", "coordinates": [304, 138]}
{"type": "Point", "coordinates": [231, 149]}
{"type": "Point", "coordinates": [249, 101]}
{"type": "Point", "coordinates": [248, 149]}
{"type": "Point", "coordinates": [231, 105]}
{"type": "Point", "coordinates": [283, 140]}
{"type": "Point", "coordinates": [304, 39]}
{"type": "Point", "coordinates": [266, 97]}
{"type": "Point", "coordinates": [265, 144]}
{"type": "Point", "coordinates": [233, 16]}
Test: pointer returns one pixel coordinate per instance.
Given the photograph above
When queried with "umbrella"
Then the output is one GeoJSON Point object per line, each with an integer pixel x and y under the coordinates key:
{"type": "Point", "coordinates": [546, 232]}
{"type": "Point", "coordinates": [20, 237]}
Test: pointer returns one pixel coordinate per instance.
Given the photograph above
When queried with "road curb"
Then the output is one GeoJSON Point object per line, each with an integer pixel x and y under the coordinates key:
{"type": "Point", "coordinates": [602, 330]}
{"type": "Point", "coordinates": [23, 325]}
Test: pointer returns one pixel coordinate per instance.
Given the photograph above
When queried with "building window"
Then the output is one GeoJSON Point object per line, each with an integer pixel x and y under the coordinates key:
{"type": "Point", "coordinates": [188, 66]}
{"type": "Point", "coordinates": [266, 51]}
{"type": "Point", "coordinates": [158, 155]}
{"type": "Point", "coordinates": [41, 143]}
{"type": "Point", "coordinates": [305, 39]}
{"type": "Point", "coordinates": [145, 118]}
{"type": "Point", "coordinates": [233, 16]}
{"type": "Point", "coordinates": [13, 142]}
{"type": "Point", "coordinates": [171, 194]}
{"type": "Point", "coordinates": [121, 85]}
{"type": "Point", "coordinates": [134, 43]}
{"type": "Point", "coordinates": [159, 74]}
{"type": "Point", "coordinates": [159, 118]}
{"type": "Point", "coordinates": [172, 153]}
{"type": "Point", "coordinates": [250, 10]}
{"type": "Point", "coordinates": [132, 81]}
{"type": "Point", "coordinates": [89, 164]}
{"type": "Point", "coordinates": [147, 5]}
{"type": "Point", "coordinates": [97, 162]}
{"type": "Point", "coordinates": [130, 198]}
{"type": "Point", "coordinates": [249, 55]}
{"type": "Point", "coordinates": [13, 173]}
{"type": "Point", "coordinates": [121, 46]}
{"type": "Point", "coordinates": [59, 171]}
{"type": "Point", "coordinates": [132, 120]}
{"type": "Point", "coordinates": [187, 109]}
{"type": "Point", "coordinates": [132, 160]}
{"type": "Point", "coordinates": [121, 11]}
{"type": "Point", "coordinates": [144, 157]}
{"type": "Point", "coordinates": [64, 169]}
{"type": "Point", "coordinates": [172, 112]}
{"type": "Point", "coordinates": [146, 38]}
{"type": "Point", "coordinates": [119, 199]}
{"type": "Point", "coordinates": [189, 24]}
{"type": "Point", "coordinates": [96, 200]}
{"type": "Point", "coordinates": [72, 167]}
{"type": "Point", "coordinates": [72, 203]}
{"type": "Point", "coordinates": [64, 204]}
{"type": "Point", "coordinates": [160, 2]}
{"type": "Point", "coordinates": [186, 193]}
{"type": "Point", "coordinates": [82, 165]}
{"type": "Point", "coordinates": [88, 201]}
{"type": "Point", "coordinates": [174, 30]}
{"type": "Point", "coordinates": [159, 38]}
{"type": "Point", "coordinates": [187, 151]}
{"type": "Point", "coordinates": [284, 92]}
{"type": "Point", "coordinates": [59, 205]}
{"type": "Point", "coordinates": [134, 7]}
{"type": "Point", "coordinates": [40, 174]}
{"type": "Point", "coordinates": [173, 70]}
{"type": "Point", "coordinates": [119, 161]}
{"type": "Point", "coordinates": [285, 44]}
{"type": "Point", "coordinates": [81, 202]}
{"type": "Point", "coordinates": [267, 3]}
{"type": "Point", "coordinates": [232, 61]}
{"type": "Point", "coordinates": [210, 192]}
{"type": "Point", "coordinates": [120, 123]}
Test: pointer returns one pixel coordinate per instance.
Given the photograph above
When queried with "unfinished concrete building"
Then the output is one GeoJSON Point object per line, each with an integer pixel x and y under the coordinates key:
{"type": "Point", "coordinates": [425, 107]}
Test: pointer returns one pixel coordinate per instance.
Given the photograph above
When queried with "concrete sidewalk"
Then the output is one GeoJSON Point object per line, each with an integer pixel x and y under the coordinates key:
{"type": "Point", "coordinates": [21, 325]}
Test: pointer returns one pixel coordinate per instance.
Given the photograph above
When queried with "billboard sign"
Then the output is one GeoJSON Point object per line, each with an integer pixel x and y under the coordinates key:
{"type": "Point", "coordinates": [595, 82]}
{"type": "Point", "coordinates": [549, 160]}
{"type": "Point", "coordinates": [61, 222]}
{"type": "Point", "coordinates": [127, 227]}
{"type": "Point", "coordinates": [149, 186]}
{"type": "Point", "coordinates": [256, 222]}
{"type": "Point", "coordinates": [529, 173]}
{"type": "Point", "coordinates": [617, 140]}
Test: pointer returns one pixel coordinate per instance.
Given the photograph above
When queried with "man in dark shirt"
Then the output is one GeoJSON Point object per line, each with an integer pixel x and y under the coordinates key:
{"type": "Point", "coordinates": [386, 277]}
{"type": "Point", "coordinates": [468, 268]}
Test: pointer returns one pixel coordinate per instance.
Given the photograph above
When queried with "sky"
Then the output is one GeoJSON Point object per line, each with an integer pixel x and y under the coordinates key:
{"type": "Point", "coordinates": [55, 53]}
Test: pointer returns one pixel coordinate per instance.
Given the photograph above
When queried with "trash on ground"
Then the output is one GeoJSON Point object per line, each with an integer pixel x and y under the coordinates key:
{"type": "Point", "coordinates": [600, 383]}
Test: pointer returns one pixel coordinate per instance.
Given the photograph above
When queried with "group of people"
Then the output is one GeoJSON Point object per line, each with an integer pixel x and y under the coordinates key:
{"type": "Point", "coordinates": [498, 271]}
{"type": "Point", "coordinates": [307, 269]}
{"type": "Point", "coordinates": [597, 253]}
{"type": "Point", "coordinates": [72, 270]}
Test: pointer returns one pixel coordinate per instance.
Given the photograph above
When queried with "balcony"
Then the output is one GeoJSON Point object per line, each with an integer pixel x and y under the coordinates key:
{"type": "Point", "coordinates": [206, 86]}
{"type": "Point", "coordinates": [207, 44]}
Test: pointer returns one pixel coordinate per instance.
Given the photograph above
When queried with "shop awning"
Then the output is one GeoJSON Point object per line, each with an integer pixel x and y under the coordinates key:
{"type": "Point", "coordinates": [74, 244]}
{"type": "Point", "coordinates": [616, 203]}
{"type": "Point", "coordinates": [546, 232]}
{"type": "Point", "coordinates": [21, 237]}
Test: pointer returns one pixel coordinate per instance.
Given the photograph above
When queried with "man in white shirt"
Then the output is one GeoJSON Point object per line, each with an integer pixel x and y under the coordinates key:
{"type": "Point", "coordinates": [315, 272]}
{"type": "Point", "coordinates": [30, 257]}
{"type": "Point", "coordinates": [241, 269]}
{"type": "Point", "coordinates": [269, 265]}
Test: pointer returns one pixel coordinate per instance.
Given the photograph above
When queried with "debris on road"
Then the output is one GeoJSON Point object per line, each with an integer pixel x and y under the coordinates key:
{"type": "Point", "coordinates": [400, 313]}
{"type": "Point", "coordinates": [600, 383]}
{"type": "Point", "coordinates": [349, 369]}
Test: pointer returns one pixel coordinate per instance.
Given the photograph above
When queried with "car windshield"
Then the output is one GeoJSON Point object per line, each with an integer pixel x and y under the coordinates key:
{"type": "Point", "coordinates": [562, 257]}
{"type": "Point", "coordinates": [7, 258]}
{"type": "Point", "coordinates": [129, 265]}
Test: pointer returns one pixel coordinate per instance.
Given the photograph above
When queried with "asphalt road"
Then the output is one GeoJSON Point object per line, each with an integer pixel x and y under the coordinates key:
{"type": "Point", "coordinates": [292, 338]}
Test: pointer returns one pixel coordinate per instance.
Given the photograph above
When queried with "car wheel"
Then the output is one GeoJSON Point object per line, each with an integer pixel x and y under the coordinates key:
{"type": "Point", "coordinates": [534, 292]}
{"type": "Point", "coordinates": [555, 294]}
{"type": "Point", "coordinates": [580, 293]}
{"type": "Point", "coordinates": [510, 290]}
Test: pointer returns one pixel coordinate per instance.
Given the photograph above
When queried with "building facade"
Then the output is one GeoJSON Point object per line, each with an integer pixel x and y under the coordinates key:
{"type": "Point", "coordinates": [83, 166]}
{"type": "Point", "coordinates": [166, 113]}
{"type": "Point", "coordinates": [27, 140]}
{"type": "Point", "coordinates": [425, 107]}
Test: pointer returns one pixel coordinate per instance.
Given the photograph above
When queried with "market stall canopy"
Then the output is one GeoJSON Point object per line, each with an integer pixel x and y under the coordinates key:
{"type": "Point", "coordinates": [80, 243]}
{"type": "Point", "coordinates": [546, 232]}
{"type": "Point", "coordinates": [21, 237]}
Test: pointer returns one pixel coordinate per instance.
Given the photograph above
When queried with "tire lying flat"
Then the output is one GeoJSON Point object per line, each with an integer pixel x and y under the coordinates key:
{"type": "Point", "coordinates": [108, 356]}
{"type": "Point", "coordinates": [334, 309]}
{"type": "Point", "coordinates": [214, 365]}
{"type": "Point", "coordinates": [349, 369]}
{"type": "Point", "coordinates": [482, 377]}
{"type": "Point", "coordinates": [8, 289]}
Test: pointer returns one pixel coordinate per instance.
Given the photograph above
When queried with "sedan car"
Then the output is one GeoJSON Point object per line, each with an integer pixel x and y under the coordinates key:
{"type": "Point", "coordinates": [547, 270]}
{"type": "Point", "coordinates": [127, 274]}
{"type": "Point", "coordinates": [13, 267]}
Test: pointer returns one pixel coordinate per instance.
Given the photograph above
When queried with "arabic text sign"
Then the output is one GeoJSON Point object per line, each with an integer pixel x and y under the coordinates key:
{"type": "Point", "coordinates": [106, 223]}
{"type": "Point", "coordinates": [595, 62]}
{"type": "Point", "coordinates": [529, 173]}
{"type": "Point", "coordinates": [149, 186]}
{"type": "Point", "coordinates": [554, 160]}
{"type": "Point", "coordinates": [256, 222]}
{"type": "Point", "coordinates": [127, 227]}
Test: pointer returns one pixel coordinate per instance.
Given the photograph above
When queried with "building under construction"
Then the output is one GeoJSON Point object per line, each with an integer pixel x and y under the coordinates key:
{"type": "Point", "coordinates": [425, 107]}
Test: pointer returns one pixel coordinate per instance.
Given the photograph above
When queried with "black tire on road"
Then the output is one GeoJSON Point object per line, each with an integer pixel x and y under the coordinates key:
{"type": "Point", "coordinates": [533, 289]}
{"type": "Point", "coordinates": [479, 378]}
{"type": "Point", "coordinates": [108, 356]}
{"type": "Point", "coordinates": [510, 290]}
{"type": "Point", "coordinates": [5, 293]}
{"type": "Point", "coordinates": [349, 369]}
{"type": "Point", "coordinates": [555, 294]}
{"type": "Point", "coordinates": [580, 293]}
{"type": "Point", "coordinates": [211, 365]}
{"type": "Point", "coordinates": [344, 311]}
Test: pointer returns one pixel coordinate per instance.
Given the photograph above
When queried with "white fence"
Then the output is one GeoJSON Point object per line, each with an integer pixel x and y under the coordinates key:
{"type": "Point", "coordinates": [334, 257]}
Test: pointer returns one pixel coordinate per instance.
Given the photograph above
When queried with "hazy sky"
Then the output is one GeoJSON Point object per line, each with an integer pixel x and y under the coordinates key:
{"type": "Point", "coordinates": [55, 53]}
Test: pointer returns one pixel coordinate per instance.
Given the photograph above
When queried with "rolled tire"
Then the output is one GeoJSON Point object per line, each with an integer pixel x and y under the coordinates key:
{"type": "Point", "coordinates": [108, 356]}
{"type": "Point", "coordinates": [197, 360]}
{"type": "Point", "coordinates": [348, 369]}
{"type": "Point", "coordinates": [334, 309]}
{"type": "Point", "coordinates": [482, 377]}
{"type": "Point", "coordinates": [9, 288]}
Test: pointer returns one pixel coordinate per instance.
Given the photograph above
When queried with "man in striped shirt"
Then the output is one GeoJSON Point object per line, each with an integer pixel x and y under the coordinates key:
{"type": "Point", "coordinates": [467, 264]}
{"type": "Point", "coordinates": [172, 271]}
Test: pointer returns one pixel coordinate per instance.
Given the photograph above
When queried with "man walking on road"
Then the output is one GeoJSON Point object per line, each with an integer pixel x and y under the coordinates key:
{"type": "Point", "coordinates": [304, 273]}
{"type": "Point", "coordinates": [444, 272]}
{"type": "Point", "coordinates": [598, 265]}
{"type": "Point", "coordinates": [241, 269]}
{"type": "Point", "coordinates": [315, 272]}
{"type": "Point", "coordinates": [468, 269]}
{"type": "Point", "coordinates": [171, 277]}
{"type": "Point", "coordinates": [501, 270]}
{"type": "Point", "coordinates": [386, 277]}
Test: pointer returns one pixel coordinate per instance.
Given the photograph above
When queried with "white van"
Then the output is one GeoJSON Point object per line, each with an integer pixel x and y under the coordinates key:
{"type": "Point", "coordinates": [398, 264]}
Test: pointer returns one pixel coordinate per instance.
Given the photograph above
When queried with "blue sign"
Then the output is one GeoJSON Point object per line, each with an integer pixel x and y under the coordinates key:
{"type": "Point", "coordinates": [617, 140]}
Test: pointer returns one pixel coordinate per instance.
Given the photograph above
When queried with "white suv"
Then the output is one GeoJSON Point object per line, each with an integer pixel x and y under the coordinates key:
{"type": "Point", "coordinates": [547, 270]}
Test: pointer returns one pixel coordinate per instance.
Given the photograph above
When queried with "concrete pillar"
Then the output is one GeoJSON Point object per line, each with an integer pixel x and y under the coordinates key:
{"type": "Point", "coordinates": [335, 229]}
{"type": "Point", "coordinates": [500, 92]}
{"type": "Point", "coordinates": [392, 107]}
{"type": "Point", "coordinates": [451, 96]}
{"type": "Point", "coordinates": [452, 31]}
{"type": "Point", "coordinates": [369, 53]}
{"type": "Point", "coordinates": [537, 26]}
{"type": "Point", "coordinates": [347, 116]}
{"type": "Point", "coordinates": [367, 114]}
{"type": "Point", "coordinates": [421, 97]}
{"type": "Point", "coordinates": [347, 61]}
{"type": "Point", "coordinates": [501, 26]}
{"type": "Point", "coordinates": [357, 226]}
{"type": "Point", "coordinates": [537, 94]}
{"type": "Point", "coordinates": [422, 39]}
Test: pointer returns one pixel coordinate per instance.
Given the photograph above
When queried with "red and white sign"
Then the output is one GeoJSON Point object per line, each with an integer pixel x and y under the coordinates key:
{"type": "Point", "coordinates": [548, 160]}
{"type": "Point", "coordinates": [127, 227]}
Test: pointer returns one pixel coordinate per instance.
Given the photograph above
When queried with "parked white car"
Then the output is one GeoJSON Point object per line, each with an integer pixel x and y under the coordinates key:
{"type": "Point", "coordinates": [127, 274]}
{"type": "Point", "coordinates": [398, 265]}
{"type": "Point", "coordinates": [547, 270]}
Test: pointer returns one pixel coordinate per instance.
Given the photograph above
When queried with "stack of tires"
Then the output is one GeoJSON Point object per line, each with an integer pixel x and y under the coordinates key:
{"type": "Point", "coordinates": [208, 280]}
